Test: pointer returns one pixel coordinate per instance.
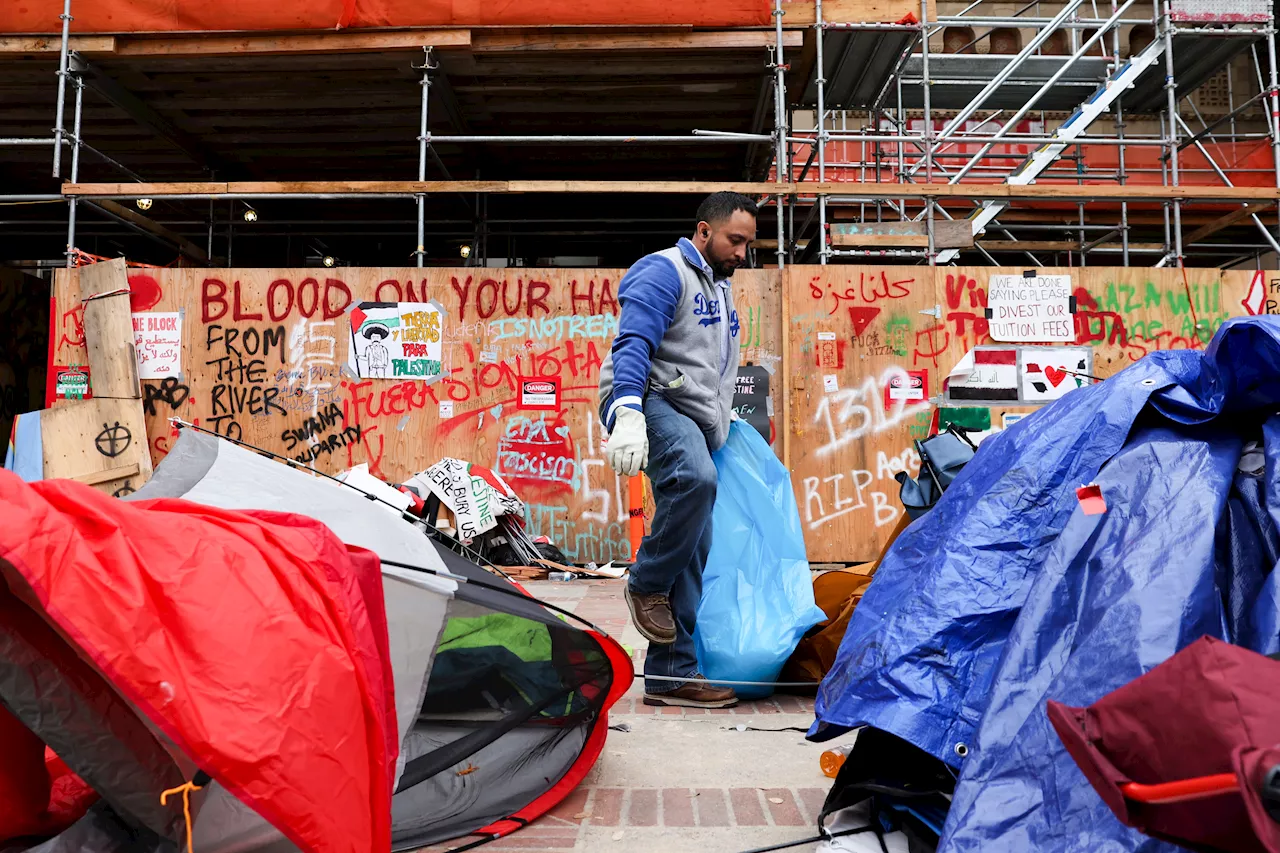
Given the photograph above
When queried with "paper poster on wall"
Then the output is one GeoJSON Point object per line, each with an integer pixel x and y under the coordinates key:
{"type": "Point", "coordinates": [1030, 374]}
{"type": "Point", "coordinates": [1031, 308]}
{"type": "Point", "coordinates": [158, 339]}
{"type": "Point", "coordinates": [1050, 372]}
{"type": "Point", "coordinates": [985, 373]}
{"type": "Point", "coordinates": [72, 383]}
{"type": "Point", "coordinates": [396, 340]}
{"type": "Point", "coordinates": [906, 389]}
{"type": "Point", "coordinates": [541, 394]}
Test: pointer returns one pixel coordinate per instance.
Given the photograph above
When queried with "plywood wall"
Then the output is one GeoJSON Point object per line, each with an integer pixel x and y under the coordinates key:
{"type": "Point", "coordinates": [263, 351]}
{"type": "Point", "coordinates": [846, 445]}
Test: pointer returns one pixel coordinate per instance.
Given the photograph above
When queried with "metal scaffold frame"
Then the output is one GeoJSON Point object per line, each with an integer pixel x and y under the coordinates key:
{"type": "Point", "coordinates": [886, 145]}
{"type": "Point", "coordinates": [931, 147]}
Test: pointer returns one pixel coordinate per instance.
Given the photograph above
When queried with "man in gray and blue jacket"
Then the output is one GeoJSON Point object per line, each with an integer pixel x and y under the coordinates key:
{"type": "Point", "coordinates": [666, 397]}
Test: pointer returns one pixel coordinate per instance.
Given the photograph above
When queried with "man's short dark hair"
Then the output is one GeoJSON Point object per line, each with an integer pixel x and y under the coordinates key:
{"type": "Point", "coordinates": [718, 207]}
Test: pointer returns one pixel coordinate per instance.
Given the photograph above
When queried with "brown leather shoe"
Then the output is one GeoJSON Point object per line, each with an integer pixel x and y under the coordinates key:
{"type": "Point", "coordinates": [695, 693]}
{"type": "Point", "coordinates": [652, 616]}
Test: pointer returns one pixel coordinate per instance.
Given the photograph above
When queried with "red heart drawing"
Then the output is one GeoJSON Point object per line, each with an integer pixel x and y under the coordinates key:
{"type": "Point", "coordinates": [1054, 375]}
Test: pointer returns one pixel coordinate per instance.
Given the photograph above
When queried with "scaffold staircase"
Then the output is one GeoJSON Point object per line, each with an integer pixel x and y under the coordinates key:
{"type": "Point", "coordinates": [1084, 115]}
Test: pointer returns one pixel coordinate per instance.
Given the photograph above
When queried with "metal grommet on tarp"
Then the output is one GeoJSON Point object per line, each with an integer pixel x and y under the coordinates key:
{"type": "Point", "coordinates": [962, 750]}
{"type": "Point", "coordinates": [1148, 382]}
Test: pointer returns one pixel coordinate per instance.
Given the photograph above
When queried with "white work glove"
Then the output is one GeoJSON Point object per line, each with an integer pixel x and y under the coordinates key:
{"type": "Point", "coordinates": [628, 447]}
{"type": "Point", "coordinates": [733, 416]}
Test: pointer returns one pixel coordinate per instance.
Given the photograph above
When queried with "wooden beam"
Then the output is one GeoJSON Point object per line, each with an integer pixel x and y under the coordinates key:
{"type": "Point", "coordinates": [108, 475]}
{"type": "Point", "coordinates": [108, 330]}
{"type": "Point", "coordinates": [53, 44]}
{"type": "Point", "coordinates": [268, 45]}
{"type": "Point", "coordinates": [801, 13]}
{"type": "Point", "coordinates": [182, 244]}
{"type": "Point", "coordinates": [489, 42]}
{"type": "Point", "coordinates": [1032, 192]}
{"type": "Point", "coordinates": [1060, 246]}
{"type": "Point", "coordinates": [947, 234]}
{"type": "Point", "coordinates": [1223, 222]}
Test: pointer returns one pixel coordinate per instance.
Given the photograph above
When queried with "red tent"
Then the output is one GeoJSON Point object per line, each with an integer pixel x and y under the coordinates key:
{"type": "Point", "coordinates": [254, 642]}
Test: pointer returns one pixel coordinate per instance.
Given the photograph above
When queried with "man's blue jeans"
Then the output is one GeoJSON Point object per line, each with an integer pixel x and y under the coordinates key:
{"type": "Point", "coordinates": [673, 555]}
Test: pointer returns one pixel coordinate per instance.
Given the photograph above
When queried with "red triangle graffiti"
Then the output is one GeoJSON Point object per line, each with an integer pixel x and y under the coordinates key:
{"type": "Point", "coordinates": [862, 315]}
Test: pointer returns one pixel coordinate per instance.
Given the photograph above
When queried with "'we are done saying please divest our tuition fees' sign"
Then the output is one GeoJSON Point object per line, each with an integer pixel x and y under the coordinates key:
{"type": "Point", "coordinates": [1030, 308]}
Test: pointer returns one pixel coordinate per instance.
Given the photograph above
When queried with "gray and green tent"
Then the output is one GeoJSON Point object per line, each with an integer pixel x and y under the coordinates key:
{"type": "Point", "coordinates": [500, 702]}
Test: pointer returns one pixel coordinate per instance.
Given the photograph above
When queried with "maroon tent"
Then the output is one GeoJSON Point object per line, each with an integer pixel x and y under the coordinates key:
{"type": "Point", "coordinates": [1190, 751]}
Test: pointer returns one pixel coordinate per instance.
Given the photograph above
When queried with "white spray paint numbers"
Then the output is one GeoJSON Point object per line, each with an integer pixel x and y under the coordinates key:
{"type": "Point", "coordinates": [851, 413]}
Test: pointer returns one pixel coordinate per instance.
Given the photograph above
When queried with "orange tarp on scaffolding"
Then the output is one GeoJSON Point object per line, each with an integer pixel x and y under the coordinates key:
{"type": "Point", "coordinates": [141, 16]}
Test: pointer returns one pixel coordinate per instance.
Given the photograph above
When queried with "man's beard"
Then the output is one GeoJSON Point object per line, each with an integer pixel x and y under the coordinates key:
{"type": "Point", "coordinates": [721, 271]}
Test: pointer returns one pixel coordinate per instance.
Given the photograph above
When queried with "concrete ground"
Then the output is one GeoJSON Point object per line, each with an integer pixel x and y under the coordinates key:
{"type": "Point", "coordinates": [681, 780]}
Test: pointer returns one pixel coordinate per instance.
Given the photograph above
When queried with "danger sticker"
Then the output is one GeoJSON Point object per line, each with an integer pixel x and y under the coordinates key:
{"type": "Point", "coordinates": [907, 388]}
{"type": "Point", "coordinates": [541, 394]}
{"type": "Point", "coordinates": [72, 383]}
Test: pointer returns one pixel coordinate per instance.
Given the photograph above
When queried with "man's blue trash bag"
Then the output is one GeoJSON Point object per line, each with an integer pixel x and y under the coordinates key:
{"type": "Point", "coordinates": [757, 593]}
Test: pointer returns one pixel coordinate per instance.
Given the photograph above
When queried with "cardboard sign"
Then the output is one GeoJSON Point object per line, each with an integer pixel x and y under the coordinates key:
{"type": "Point", "coordinates": [906, 390]}
{"type": "Point", "coordinates": [475, 495]}
{"type": "Point", "coordinates": [1032, 308]}
{"type": "Point", "coordinates": [158, 340]}
{"type": "Point", "coordinates": [541, 394]}
{"type": "Point", "coordinates": [72, 383]}
{"type": "Point", "coordinates": [396, 340]}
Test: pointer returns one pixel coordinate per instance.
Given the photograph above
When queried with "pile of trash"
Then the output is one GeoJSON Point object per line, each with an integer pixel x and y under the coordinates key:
{"type": "Point", "coordinates": [483, 513]}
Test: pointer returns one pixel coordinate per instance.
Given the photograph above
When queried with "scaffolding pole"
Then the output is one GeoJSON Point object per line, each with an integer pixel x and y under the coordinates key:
{"type": "Point", "coordinates": [63, 57]}
{"type": "Point", "coordinates": [1171, 105]}
{"type": "Point", "coordinates": [1121, 177]}
{"type": "Point", "coordinates": [780, 127]}
{"type": "Point", "coordinates": [424, 140]}
{"type": "Point", "coordinates": [75, 170]}
{"type": "Point", "coordinates": [925, 82]}
{"type": "Point", "coordinates": [824, 248]}
{"type": "Point", "coordinates": [1274, 124]}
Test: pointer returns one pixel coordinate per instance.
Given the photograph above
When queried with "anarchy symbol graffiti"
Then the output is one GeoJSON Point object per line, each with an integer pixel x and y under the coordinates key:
{"type": "Point", "coordinates": [113, 440]}
{"type": "Point", "coordinates": [126, 489]}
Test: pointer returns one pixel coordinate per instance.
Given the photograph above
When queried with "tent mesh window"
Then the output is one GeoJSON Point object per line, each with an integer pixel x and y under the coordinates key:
{"type": "Point", "coordinates": [513, 695]}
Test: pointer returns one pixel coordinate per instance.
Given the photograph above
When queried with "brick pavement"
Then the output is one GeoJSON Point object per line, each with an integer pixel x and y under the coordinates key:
{"type": "Point", "coordinates": [682, 779]}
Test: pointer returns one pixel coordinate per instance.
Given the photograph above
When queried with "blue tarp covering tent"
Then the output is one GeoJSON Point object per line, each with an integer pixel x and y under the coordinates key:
{"type": "Point", "coordinates": [1006, 595]}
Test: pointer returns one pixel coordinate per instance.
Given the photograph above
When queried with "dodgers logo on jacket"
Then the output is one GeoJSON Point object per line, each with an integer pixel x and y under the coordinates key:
{"type": "Point", "coordinates": [707, 309]}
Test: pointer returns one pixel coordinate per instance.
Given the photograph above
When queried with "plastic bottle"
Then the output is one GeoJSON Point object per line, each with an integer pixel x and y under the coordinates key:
{"type": "Point", "coordinates": [561, 576]}
{"type": "Point", "coordinates": [833, 759]}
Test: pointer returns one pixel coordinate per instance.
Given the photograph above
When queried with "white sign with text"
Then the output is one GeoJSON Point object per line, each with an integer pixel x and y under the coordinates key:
{"type": "Point", "coordinates": [158, 339]}
{"type": "Point", "coordinates": [1032, 309]}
